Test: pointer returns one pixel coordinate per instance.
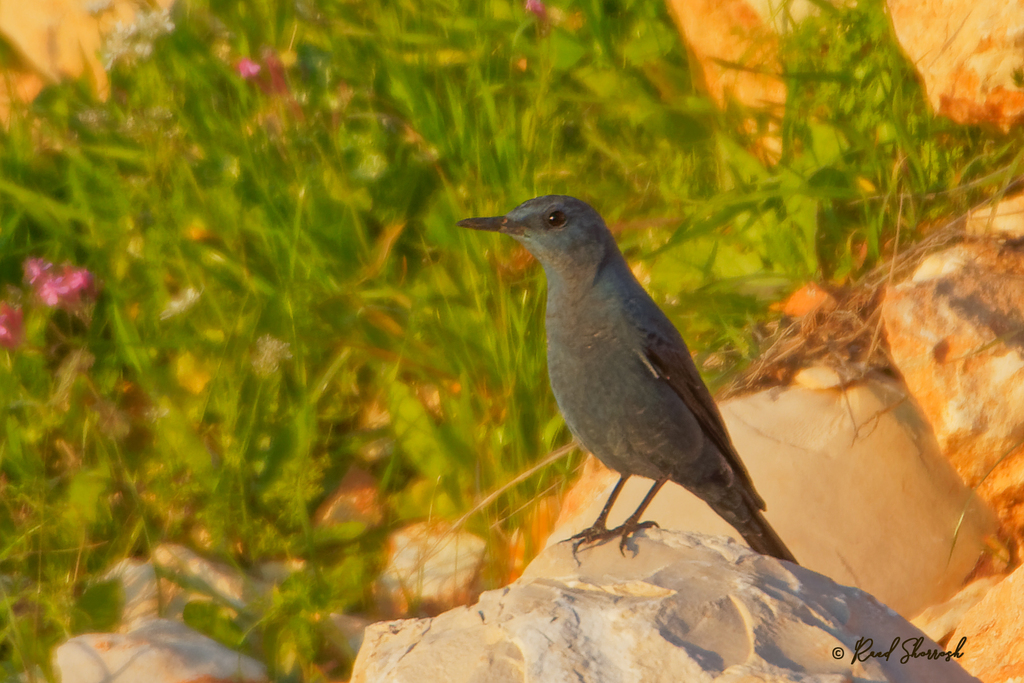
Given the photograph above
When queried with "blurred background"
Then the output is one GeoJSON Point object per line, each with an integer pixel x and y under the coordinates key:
{"type": "Point", "coordinates": [237, 316]}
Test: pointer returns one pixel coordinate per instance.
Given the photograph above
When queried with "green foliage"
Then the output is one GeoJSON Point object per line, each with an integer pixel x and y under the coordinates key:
{"type": "Point", "coordinates": [277, 255]}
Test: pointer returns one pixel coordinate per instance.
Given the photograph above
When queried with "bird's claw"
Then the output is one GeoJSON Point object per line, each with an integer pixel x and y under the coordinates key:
{"type": "Point", "coordinates": [599, 533]}
{"type": "Point", "coordinates": [590, 535]}
{"type": "Point", "coordinates": [628, 530]}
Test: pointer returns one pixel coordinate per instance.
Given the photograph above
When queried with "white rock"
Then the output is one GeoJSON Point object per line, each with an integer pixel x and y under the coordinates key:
{"type": "Point", "coordinates": [159, 651]}
{"type": "Point", "coordinates": [205, 576]}
{"type": "Point", "coordinates": [1004, 218]}
{"type": "Point", "coordinates": [145, 595]}
{"type": "Point", "coordinates": [685, 607]}
{"type": "Point", "coordinates": [855, 484]}
{"type": "Point", "coordinates": [940, 264]}
{"type": "Point", "coordinates": [432, 565]}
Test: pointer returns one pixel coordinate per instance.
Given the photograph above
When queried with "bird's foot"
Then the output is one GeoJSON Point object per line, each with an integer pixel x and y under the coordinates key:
{"type": "Point", "coordinates": [600, 532]}
{"type": "Point", "coordinates": [593, 534]}
{"type": "Point", "coordinates": [630, 528]}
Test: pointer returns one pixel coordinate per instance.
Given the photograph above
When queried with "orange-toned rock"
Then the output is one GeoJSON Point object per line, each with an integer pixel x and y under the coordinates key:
{"type": "Point", "coordinates": [355, 500]}
{"type": "Point", "coordinates": [968, 54]}
{"type": "Point", "coordinates": [994, 649]}
{"type": "Point", "coordinates": [809, 298]}
{"type": "Point", "coordinates": [56, 39]}
{"type": "Point", "coordinates": [956, 334]}
{"type": "Point", "coordinates": [734, 57]}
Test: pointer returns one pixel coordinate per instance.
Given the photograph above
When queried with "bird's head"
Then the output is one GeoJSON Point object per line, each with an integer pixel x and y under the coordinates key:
{"type": "Point", "coordinates": [564, 233]}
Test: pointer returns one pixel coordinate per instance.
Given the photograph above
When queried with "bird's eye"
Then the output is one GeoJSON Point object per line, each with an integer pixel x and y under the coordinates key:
{"type": "Point", "coordinates": [556, 219]}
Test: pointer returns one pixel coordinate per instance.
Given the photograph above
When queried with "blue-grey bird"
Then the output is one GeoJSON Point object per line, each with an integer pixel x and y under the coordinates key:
{"type": "Point", "coordinates": [623, 377]}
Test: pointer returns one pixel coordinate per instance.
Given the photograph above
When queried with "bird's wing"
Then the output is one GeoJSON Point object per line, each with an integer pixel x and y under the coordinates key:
{"type": "Point", "coordinates": [666, 351]}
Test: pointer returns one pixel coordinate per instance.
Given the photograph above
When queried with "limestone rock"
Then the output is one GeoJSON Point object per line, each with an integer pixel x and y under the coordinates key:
{"type": "Point", "coordinates": [968, 55]}
{"type": "Point", "coordinates": [431, 566]}
{"type": "Point", "coordinates": [159, 651]}
{"type": "Point", "coordinates": [855, 484]}
{"type": "Point", "coordinates": [994, 648]}
{"type": "Point", "coordinates": [956, 334]}
{"type": "Point", "coordinates": [682, 607]}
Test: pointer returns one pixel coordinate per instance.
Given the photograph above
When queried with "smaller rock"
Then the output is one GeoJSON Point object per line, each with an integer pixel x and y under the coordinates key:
{"type": "Point", "coordinates": [968, 55]}
{"type": "Point", "coordinates": [205, 576]}
{"type": "Point", "coordinates": [278, 571]}
{"type": "Point", "coordinates": [158, 651]}
{"type": "Point", "coordinates": [355, 500]}
{"type": "Point", "coordinates": [1004, 218]}
{"type": "Point", "coordinates": [818, 377]}
{"type": "Point", "coordinates": [808, 299]}
{"type": "Point", "coordinates": [145, 596]}
{"type": "Point", "coordinates": [734, 53]}
{"type": "Point", "coordinates": [956, 335]}
{"type": "Point", "coordinates": [994, 649]}
{"type": "Point", "coordinates": [941, 264]}
{"type": "Point", "coordinates": [430, 566]}
{"type": "Point", "coordinates": [939, 621]}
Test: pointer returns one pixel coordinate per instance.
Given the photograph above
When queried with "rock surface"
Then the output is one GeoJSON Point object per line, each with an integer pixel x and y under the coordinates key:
{"type": "Point", "coordinates": [994, 649]}
{"type": "Point", "coordinates": [956, 334]}
{"type": "Point", "coordinates": [683, 607]}
{"type": "Point", "coordinates": [968, 54]}
{"type": "Point", "coordinates": [158, 651]}
{"type": "Point", "coordinates": [855, 485]}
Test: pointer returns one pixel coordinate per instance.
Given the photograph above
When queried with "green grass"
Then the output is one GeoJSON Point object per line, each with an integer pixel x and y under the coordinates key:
{"type": "Point", "coordinates": [324, 217]}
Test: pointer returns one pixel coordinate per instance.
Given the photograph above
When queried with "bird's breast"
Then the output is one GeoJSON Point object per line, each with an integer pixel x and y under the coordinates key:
{"type": "Point", "coordinates": [615, 402]}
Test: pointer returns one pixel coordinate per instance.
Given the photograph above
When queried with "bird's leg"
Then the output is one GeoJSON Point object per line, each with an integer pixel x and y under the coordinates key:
{"type": "Point", "coordinates": [633, 524]}
{"type": "Point", "coordinates": [599, 529]}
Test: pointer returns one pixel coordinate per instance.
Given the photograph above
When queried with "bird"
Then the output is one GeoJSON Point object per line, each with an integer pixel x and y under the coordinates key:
{"type": "Point", "coordinates": [623, 377]}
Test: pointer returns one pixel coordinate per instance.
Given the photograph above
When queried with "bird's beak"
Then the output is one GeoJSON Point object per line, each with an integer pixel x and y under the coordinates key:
{"type": "Point", "coordinates": [493, 224]}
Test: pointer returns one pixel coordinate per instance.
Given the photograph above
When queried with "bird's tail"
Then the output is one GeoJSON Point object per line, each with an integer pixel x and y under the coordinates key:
{"type": "Point", "coordinates": [756, 530]}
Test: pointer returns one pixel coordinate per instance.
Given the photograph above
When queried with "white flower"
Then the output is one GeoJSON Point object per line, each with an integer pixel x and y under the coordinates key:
{"type": "Point", "coordinates": [269, 353]}
{"type": "Point", "coordinates": [131, 42]}
{"type": "Point", "coordinates": [181, 303]}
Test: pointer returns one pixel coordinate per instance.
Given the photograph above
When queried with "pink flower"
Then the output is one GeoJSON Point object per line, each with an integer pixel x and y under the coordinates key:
{"type": "Point", "coordinates": [36, 268]}
{"type": "Point", "coordinates": [247, 68]}
{"type": "Point", "coordinates": [52, 290]}
{"type": "Point", "coordinates": [64, 290]}
{"type": "Point", "coordinates": [78, 279]}
{"type": "Point", "coordinates": [10, 325]}
{"type": "Point", "coordinates": [537, 7]}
